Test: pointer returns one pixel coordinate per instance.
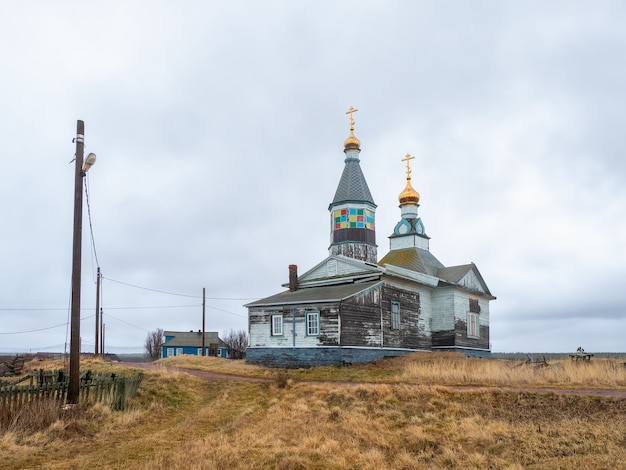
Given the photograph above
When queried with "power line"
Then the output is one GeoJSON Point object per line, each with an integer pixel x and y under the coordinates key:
{"type": "Point", "coordinates": [226, 311]}
{"type": "Point", "coordinates": [152, 290]}
{"type": "Point", "coordinates": [41, 329]}
{"type": "Point", "coordinates": [93, 241]}
{"type": "Point", "coordinates": [153, 307]}
{"type": "Point", "coordinates": [129, 324]}
{"type": "Point", "coordinates": [180, 295]}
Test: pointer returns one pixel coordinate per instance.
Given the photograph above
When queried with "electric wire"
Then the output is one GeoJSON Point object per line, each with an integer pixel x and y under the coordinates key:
{"type": "Point", "coordinates": [93, 241]}
{"type": "Point", "coordinates": [174, 293]}
{"type": "Point", "coordinates": [43, 329]}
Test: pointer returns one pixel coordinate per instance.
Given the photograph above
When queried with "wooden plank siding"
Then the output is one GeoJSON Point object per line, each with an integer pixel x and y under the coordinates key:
{"type": "Point", "coordinates": [260, 327]}
{"type": "Point", "coordinates": [464, 303]}
{"type": "Point", "coordinates": [360, 319]}
{"type": "Point", "coordinates": [412, 333]}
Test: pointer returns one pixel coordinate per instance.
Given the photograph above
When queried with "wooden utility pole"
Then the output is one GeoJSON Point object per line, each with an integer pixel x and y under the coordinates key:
{"type": "Point", "coordinates": [101, 332]}
{"type": "Point", "coordinates": [73, 390]}
{"type": "Point", "coordinates": [203, 304]}
{"type": "Point", "coordinates": [98, 313]}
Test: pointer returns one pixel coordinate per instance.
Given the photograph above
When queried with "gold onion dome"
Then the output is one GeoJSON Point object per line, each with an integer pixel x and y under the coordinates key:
{"type": "Point", "coordinates": [409, 195]}
{"type": "Point", "coordinates": [352, 142]}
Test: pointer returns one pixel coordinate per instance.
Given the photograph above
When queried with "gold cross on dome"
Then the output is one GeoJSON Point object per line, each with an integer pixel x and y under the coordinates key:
{"type": "Point", "coordinates": [407, 159]}
{"type": "Point", "coordinates": [351, 111]}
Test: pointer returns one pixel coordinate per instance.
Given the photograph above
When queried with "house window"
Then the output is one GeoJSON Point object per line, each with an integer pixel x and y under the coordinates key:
{"type": "Point", "coordinates": [170, 352]}
{"type": "Point", "coordinates": [179, 351]}
{"type": "Point", "coordinates": [199, 351]}
{"type": "Point", "coordinates": [474, 307]}
{"type": "Point", "coordinates": [395, 315]}
{"type": "Point", "coordinates": [277, 325]}
{"type": "Point", "coordinates": [312, 323]}
{"type": "Point", "coordinates": [473, 330]}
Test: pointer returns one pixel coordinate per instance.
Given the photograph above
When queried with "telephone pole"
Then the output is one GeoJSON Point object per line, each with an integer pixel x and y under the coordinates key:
{"type": "Point", "coordinates": [203, 304]}
{"type": "Point", "coordinates": [98, 313]}
{"type": "Point", "coordinates": [73, 390]}
{"type": "Point", "coordinates": [74, 384]}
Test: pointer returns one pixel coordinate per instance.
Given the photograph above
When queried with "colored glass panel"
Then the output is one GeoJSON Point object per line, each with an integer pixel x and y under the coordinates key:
{"type": "Point", "coordinates": [352, 217]}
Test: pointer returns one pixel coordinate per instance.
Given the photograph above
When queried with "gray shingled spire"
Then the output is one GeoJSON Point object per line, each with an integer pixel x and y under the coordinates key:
{"type": "Point", "coordinates": [352, 186]}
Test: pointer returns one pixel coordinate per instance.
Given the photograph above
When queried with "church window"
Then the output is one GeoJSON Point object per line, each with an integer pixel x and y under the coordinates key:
{"type": "Point", "coordinates": [312, 323]}
{"type": "Point", "coordinates": [277, 325]}
{"type": "Point", "coordinates": [395, 315]}
{"type": "Point", "coordinates": [473, 330]}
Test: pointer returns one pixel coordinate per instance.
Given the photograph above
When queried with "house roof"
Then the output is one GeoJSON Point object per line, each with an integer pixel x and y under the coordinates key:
{"type": "Point", "coordinates": [352, 185]}
{"type": "Point", "coordinates": [310, 295]}
{"type": "Point", "coordinates": [414, 259]}
{"type": "Point", "coordinates": [191, 338]}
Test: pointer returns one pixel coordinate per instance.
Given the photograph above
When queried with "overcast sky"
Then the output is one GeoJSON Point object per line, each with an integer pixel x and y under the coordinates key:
{"type": "Point", "coordinates": [219, 130]}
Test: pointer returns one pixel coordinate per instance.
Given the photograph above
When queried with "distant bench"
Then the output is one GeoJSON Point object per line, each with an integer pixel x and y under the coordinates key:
{"type": "Point", "coordinates": [581, 356]}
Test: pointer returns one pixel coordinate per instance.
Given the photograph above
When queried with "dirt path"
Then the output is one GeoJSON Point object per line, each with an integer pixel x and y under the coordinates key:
{"type": "Point", "coordinates": [607, 393]}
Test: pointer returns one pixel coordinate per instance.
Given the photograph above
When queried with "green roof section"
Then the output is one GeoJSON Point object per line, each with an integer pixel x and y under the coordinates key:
{"type": "Point", "coordinates": [414, 259]}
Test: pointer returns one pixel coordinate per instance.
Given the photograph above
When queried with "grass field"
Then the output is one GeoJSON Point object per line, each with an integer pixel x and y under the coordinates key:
{"type": "Point", "coordinates": [398, 414]}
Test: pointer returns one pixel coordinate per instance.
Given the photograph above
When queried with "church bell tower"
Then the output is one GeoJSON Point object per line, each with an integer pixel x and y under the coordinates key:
{"type": "Point", "coordinates": [353, 211]}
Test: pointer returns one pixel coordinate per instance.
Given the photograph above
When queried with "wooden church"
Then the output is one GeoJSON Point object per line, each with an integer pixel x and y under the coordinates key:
{"type": "Point", "coordinates": [353, 308]}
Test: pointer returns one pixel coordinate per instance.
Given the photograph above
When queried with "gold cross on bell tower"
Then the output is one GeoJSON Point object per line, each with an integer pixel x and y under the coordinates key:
{"type": "Point", "coordinates": [351, 111]}
{"type": "Point", "coordinates": [407, 159]}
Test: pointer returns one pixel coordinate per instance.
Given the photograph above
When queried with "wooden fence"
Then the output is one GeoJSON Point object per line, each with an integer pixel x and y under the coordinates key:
{"type": "Point", "coordinates": [52, 385]}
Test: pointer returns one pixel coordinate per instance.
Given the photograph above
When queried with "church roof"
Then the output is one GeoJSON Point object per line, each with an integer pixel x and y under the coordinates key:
{"type": "Point", "coordinates": [352, 186]}
{"type": "Point", "coordinates": [414, 259]}
{"type": "Point", "coordinates": [454, 273]}
{"type": "Point", "coordinates": [334, 293]}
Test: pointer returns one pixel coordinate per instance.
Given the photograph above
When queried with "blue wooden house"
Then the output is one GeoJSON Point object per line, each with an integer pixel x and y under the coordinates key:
{"type": "Point", "coordinates": [178, 343]}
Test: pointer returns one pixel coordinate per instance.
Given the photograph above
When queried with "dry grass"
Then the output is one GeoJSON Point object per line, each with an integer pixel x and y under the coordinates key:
{"type": "Point", "coordinates": [434, 369]}
{"type": "Point", "coordinates": [182, 422]}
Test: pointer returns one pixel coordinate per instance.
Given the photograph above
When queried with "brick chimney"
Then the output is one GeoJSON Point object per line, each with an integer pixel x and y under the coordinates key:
{"type": "Point", "coordinates": [293, 277]}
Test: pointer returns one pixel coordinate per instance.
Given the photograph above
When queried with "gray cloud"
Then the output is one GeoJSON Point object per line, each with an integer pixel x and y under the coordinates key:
{"type": "Point", "coordinates": [219, 132]}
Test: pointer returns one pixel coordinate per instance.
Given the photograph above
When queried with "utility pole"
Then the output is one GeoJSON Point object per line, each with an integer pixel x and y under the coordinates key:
{"type": "Point", "coordinates": [98, 313]}
{"type": "Point", "coordinates": [203, 310]}
{"type": "Point", "coordinates": [101, 332]}
{"type": "Point", "coordinates": [74, 383]}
